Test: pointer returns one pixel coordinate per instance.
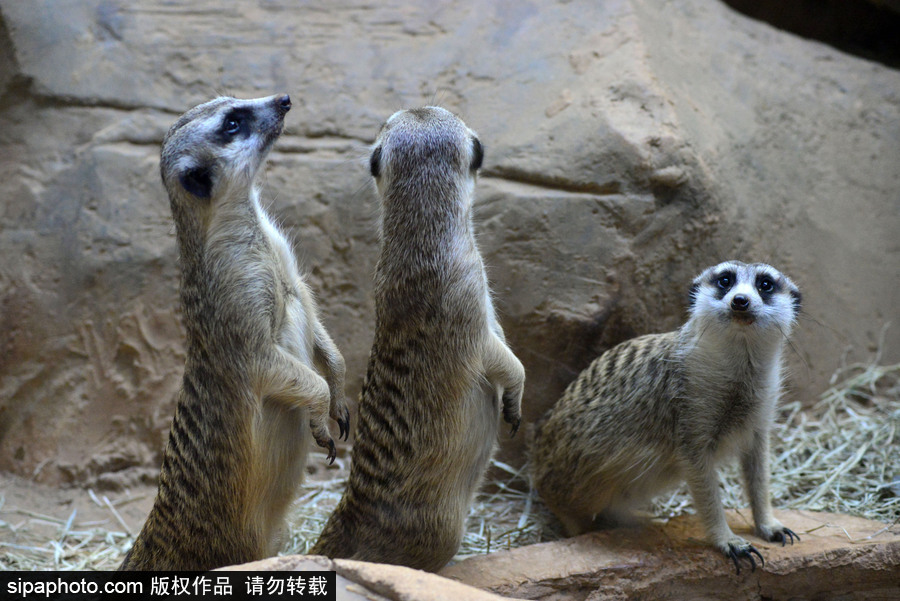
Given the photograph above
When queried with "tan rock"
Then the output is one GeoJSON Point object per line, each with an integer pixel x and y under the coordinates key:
{"type": "Point", "coordinates": [838, 557]}
{"type": "Point", "coordinates": [629, 145]}
{"type": "Point", "coordinates": [346, 590]}
{"type": "Point", "coordinates": [371, 581]}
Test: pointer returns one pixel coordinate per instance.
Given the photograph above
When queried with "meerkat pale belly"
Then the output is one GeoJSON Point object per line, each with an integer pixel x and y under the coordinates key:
{"type": "Point", "coordinates": [664, 408]}
{"type": "Point", "coordinates": [261, 375]}
{"type": "Point", "coordinates": [440, 374]}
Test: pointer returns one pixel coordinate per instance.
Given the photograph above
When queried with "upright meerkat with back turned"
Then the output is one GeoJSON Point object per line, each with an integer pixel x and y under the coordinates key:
{"type": "Point", "coordinates": [251, 392]}
{"type": "Point", "coordinates": [659, 409]}
{"type": "Point", "coordinates": [440, 373]}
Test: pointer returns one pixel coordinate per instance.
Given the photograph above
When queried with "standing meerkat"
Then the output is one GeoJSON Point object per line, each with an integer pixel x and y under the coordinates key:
{"type": "Point", "coordinates": [440, 373]}
{"type": "Point", "coordinates": [252, 392]}
{"type": "Point", "coordinates": [663, 408]}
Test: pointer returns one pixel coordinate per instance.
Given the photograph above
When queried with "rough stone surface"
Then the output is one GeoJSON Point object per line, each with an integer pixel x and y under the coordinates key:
{"type": "Point", "coordinates": [839, 557]}
{"type": "Point", "coordinates": [630, 144]}
{"type": "Point", "coordinates": [372, 581]}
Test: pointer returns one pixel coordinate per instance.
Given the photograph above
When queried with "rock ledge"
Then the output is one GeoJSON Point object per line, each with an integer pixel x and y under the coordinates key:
{"type": "Point", "coordinates": [838, 557]}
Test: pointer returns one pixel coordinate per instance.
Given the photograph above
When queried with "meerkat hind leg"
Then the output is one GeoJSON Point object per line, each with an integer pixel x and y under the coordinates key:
{"type": "Point", "coordinates": [585, 509]}
{"type": "Point", "coordinates": [621, 516]}
{"type": "Point", "coordinates": [575, 518]}
{"type": "Point", "coordinates": [283, 445]}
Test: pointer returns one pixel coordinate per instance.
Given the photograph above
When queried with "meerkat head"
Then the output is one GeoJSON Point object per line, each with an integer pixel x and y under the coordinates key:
{"type": "Point", "coordinates": [425, 149]}
{"type": "Point", "coordinates": [219, 146]}
{"type": "Point", "coordinates": [751, 298]}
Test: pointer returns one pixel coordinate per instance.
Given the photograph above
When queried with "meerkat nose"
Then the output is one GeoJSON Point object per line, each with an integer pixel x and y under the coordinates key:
{"type": "Point", "coordinates": [740, 303]}
{"type": "Point", "coordinates": [284, 103]}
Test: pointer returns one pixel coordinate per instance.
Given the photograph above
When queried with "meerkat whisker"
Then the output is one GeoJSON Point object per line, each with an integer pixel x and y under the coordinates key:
{"type": "Point", "coordinates": [796, 352]}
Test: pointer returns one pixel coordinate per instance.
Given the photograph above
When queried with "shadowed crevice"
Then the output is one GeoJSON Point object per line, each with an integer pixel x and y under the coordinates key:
{"type": "Point", "coordinates": [865, 28]}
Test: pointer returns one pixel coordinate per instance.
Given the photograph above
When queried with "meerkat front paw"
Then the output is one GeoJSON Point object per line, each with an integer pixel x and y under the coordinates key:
{"type": "Point", "coordinates": [776, 533]}
{"type": "Point", "coordinates": [320, 410]}
{"type": "Point", "coordinates": [512, 410]}
{"type": "Point", "coordinates": [737, 549]}
{"type": "Point", "coordinates": [324, 440]}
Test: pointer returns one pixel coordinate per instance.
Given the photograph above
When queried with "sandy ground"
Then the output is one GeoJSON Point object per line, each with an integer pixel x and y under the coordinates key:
{"type": "Point", "coordinates": [32, 514]}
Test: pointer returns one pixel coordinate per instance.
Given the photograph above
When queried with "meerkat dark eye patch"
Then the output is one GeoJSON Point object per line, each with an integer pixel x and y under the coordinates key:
{"type": "Point", "coordinates": [236, 123]}
{"type": "Point", "coordinates": [198, 181]}
{"type": "Point", "coordinates": [724, 282]}
{"type": "Point", "coordinates": [375, 162]}
{"type": "Point", "coordinates": [767, 286]}
{"type": "Point", "coordinates": [477, 154]}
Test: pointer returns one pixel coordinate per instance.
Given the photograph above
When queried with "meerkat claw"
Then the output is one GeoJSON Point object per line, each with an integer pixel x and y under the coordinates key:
{"type": "Point", "coordinates": [736, 553]}
{"type": "Point", "coordinates": [750, 552]}
{"type": "Point", "coordinates": [734, 558]}
{"type": "Point", "coordinates": [332, 452]}
{"type": "Point", "coordinates": [346, 424]}
{"type": "Point", "coordinates": [785, 534]}
{"type": "Point", "coordinates": [343, 421]}
{"type": "Point", "coordinates": [326, 442]}
{"type": "Point", "coordinates": [512, 417]}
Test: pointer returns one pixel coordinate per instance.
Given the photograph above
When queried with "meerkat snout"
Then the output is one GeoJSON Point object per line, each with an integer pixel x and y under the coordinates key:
{"type": "Point", "coordinates": [740, 303]}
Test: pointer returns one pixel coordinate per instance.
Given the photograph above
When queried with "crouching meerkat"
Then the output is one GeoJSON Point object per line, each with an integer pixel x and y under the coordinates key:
{"type": "Point", "coordinates": [440, 374]}
{"type": "Point", "coordinates": [663, 408]}
{"type": "Point", "coordinates": [261, 374]}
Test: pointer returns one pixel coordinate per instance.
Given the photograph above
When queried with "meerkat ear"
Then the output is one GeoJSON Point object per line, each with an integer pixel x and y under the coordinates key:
{"type": "Point", "coordinates": [375, 162]}
{"type": "Point", "coordinates": [798, 300]}
{"type": "Point", "coordinates": [692, 294]}
{"type": "Point", "coordinates": [198, 181]}
{"type": "Point", "coordinates": [477, 154]}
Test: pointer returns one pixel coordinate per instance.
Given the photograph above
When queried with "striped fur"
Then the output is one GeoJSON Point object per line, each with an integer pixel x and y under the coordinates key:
{"type": "Point", "coordinates": [262, 374]}
{"type": "Point", "coordinates": [440, 374]}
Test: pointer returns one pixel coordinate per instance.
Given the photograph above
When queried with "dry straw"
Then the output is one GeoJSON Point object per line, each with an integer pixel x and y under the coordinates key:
{"type": "Point", "coordinates": [33, 541]}
{"type": "Point", "coordinates": [842, 455]}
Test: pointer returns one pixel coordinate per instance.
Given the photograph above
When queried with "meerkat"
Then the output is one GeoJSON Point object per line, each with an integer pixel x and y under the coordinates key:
{"type": "Point", "coordinates": [252, 392]}
{"type": "Point", "coordinates": [664, 408]}
{"type": "Point", "coordinates": [440, 373]}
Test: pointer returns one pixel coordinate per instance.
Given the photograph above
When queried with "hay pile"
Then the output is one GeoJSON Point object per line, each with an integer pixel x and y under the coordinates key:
{"type": "Point", "coordinates": [842, 456]}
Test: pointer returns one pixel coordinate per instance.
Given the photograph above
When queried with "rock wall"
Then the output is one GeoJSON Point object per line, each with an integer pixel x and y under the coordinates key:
{"type": "Point", "coordinates": [630, 144]}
